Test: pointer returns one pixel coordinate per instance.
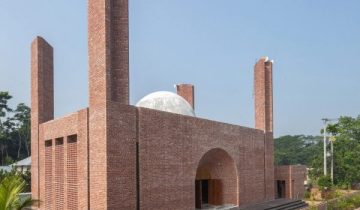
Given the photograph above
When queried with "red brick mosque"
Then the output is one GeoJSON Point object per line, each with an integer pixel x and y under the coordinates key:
{"type": "Point", "coordinates": [153, 155]}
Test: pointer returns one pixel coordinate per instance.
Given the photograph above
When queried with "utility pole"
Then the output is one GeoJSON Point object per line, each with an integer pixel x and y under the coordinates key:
{"type": "Point", "coordinates": [325, 126]}
{"type": "Point", "coordinates": [326, 120]}
{"type": "Point", "coordinates": [332, 161]}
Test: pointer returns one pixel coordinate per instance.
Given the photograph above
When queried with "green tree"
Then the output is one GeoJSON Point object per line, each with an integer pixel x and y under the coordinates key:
{"type": "Point", "coordinates": [22, 124]}
{"type": "Point", "coordinates": [299, 149]}
{"type": "Point", "coordinates": [4, 108]}
{"type": "Point", "coordinates": [14, 130]}
{"type": "Point", "coordinates": [7, 129]}
{"type": "Point", "coordinates": [346, 152]}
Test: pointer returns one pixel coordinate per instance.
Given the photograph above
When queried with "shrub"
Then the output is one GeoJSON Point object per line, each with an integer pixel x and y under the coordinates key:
{"type": "Point", "coordinates": [356, 200]}
{"type": "Point", "coordinates": [10, 189]}
{"type": "Point", "coordinates": [324, 183]}
{"type": "Point", "coordinates": [345, 204]}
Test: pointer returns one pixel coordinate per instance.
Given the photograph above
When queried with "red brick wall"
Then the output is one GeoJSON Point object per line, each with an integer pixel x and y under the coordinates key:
{"type": "Point", "coordinates": [42, 101]}
{"type": "Point", "coordinates": [63, 164]}
{"type": "Point", "coordinates": [269, 166]}
{"type": "Point", "coordinates": [121, 157]}
{"type": "Point", "coordinates": [83, 157]}
{"type": "Point", "coordinates": [171, 147]}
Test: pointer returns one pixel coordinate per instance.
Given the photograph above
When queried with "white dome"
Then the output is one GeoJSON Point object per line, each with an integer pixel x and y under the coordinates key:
{"type": "Point", "coordinates": [167, 102]}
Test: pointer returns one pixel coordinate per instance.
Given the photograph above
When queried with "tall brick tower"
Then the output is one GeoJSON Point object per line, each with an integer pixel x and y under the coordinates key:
{"type": "Point", "coordinates": [263, 90]}
{"type": "Point", "coordinates": [42, 102]}
{"type": "Point", "coordinates": [112, 145]}
{"type": "Point", "coordinates": [108, 51]}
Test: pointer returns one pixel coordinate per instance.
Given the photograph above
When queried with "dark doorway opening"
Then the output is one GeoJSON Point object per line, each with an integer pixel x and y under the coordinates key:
{"type": "Point", "coordinates": [205, 191]}
{"type": "Point", "coordinates": [280, 188]}
{"type": "Point", "coordinates": [201, 193]}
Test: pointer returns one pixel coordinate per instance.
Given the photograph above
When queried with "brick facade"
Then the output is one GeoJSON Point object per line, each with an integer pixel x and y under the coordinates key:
{"type": "Point", "coordinates": [113, 155]}
{"type": "Point", "coordinates": [293, 176]}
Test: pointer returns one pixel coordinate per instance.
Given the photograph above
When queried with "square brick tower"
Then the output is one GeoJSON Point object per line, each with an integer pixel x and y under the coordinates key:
{"type": "Point", "coordinates": [42, 101]}
{"type": "Point", "coordinates": [263, 91]}
{"type": "Point", "coordinates": [112, 140]}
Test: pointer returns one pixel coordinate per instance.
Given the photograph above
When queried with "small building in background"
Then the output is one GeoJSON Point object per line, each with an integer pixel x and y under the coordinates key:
{"type": "Point", "coordinates": [21, 166]}
{"type": "Point", "coordinates": [289, 181]}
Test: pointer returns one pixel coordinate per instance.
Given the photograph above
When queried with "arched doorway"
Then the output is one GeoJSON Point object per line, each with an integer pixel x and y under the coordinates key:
{"type": "Point", "coordinates": [216, 181]}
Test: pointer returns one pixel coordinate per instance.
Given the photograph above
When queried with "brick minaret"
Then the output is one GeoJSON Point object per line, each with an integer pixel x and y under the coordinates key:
{"type": "Point", "coordinates": [187, 92]}
{"type": "Point", "coordinates": [42, 101]}
{"type": "Point", "coordinates": [263, 95]}
{"type": "Point", "coordinates": [263, 92]}
{"type": "Point", "coordinates": [108, 51]}
{"type": "Point", "coordinates": [109, 91]}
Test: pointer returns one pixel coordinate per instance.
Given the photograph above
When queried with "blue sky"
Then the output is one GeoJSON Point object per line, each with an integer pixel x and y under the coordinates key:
{"type": "Point", "coordinates": [210, 43]}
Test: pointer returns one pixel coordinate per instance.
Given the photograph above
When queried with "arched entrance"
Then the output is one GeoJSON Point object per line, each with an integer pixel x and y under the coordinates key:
{"type": "Point", "coordinates": [216, 181]}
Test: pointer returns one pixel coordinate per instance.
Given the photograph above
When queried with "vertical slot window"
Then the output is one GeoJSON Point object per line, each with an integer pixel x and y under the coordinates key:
{"type": "Point", "coordinates": [72, 139]}
{"type": "Point", "coordinates": [59, 141]}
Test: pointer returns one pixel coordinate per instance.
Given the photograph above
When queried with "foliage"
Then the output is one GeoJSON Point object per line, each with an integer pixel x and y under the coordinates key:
{"type": "Point", "coordinates": [324, 183]}
{"type": "Point", "coordinates": [10, 188]}
{"type": "Point", "coordinates": [26, 176]}
{"type": "Point", "coordinates": [14, 131]}
{"type": "Point", "coordinates": [345, 203]}
{"type": "Point", "coordinates": [299, 149]}
{"type": "Point", "coordinates": [346, 152]}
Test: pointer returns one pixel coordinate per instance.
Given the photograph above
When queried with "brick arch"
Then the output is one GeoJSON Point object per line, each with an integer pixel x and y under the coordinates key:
{"type": "Point", "coordinates": [217, 165]}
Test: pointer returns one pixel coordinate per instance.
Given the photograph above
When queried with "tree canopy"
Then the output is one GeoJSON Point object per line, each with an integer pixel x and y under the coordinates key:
{"type": "Point", "coordinates": [346, 150]}
{"type": "Point", "coordinates": [298, 149]}
{"type": "Point", "coordinates": [308, 150]}
{"type": "Point", "coordinates": [14, 130]}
